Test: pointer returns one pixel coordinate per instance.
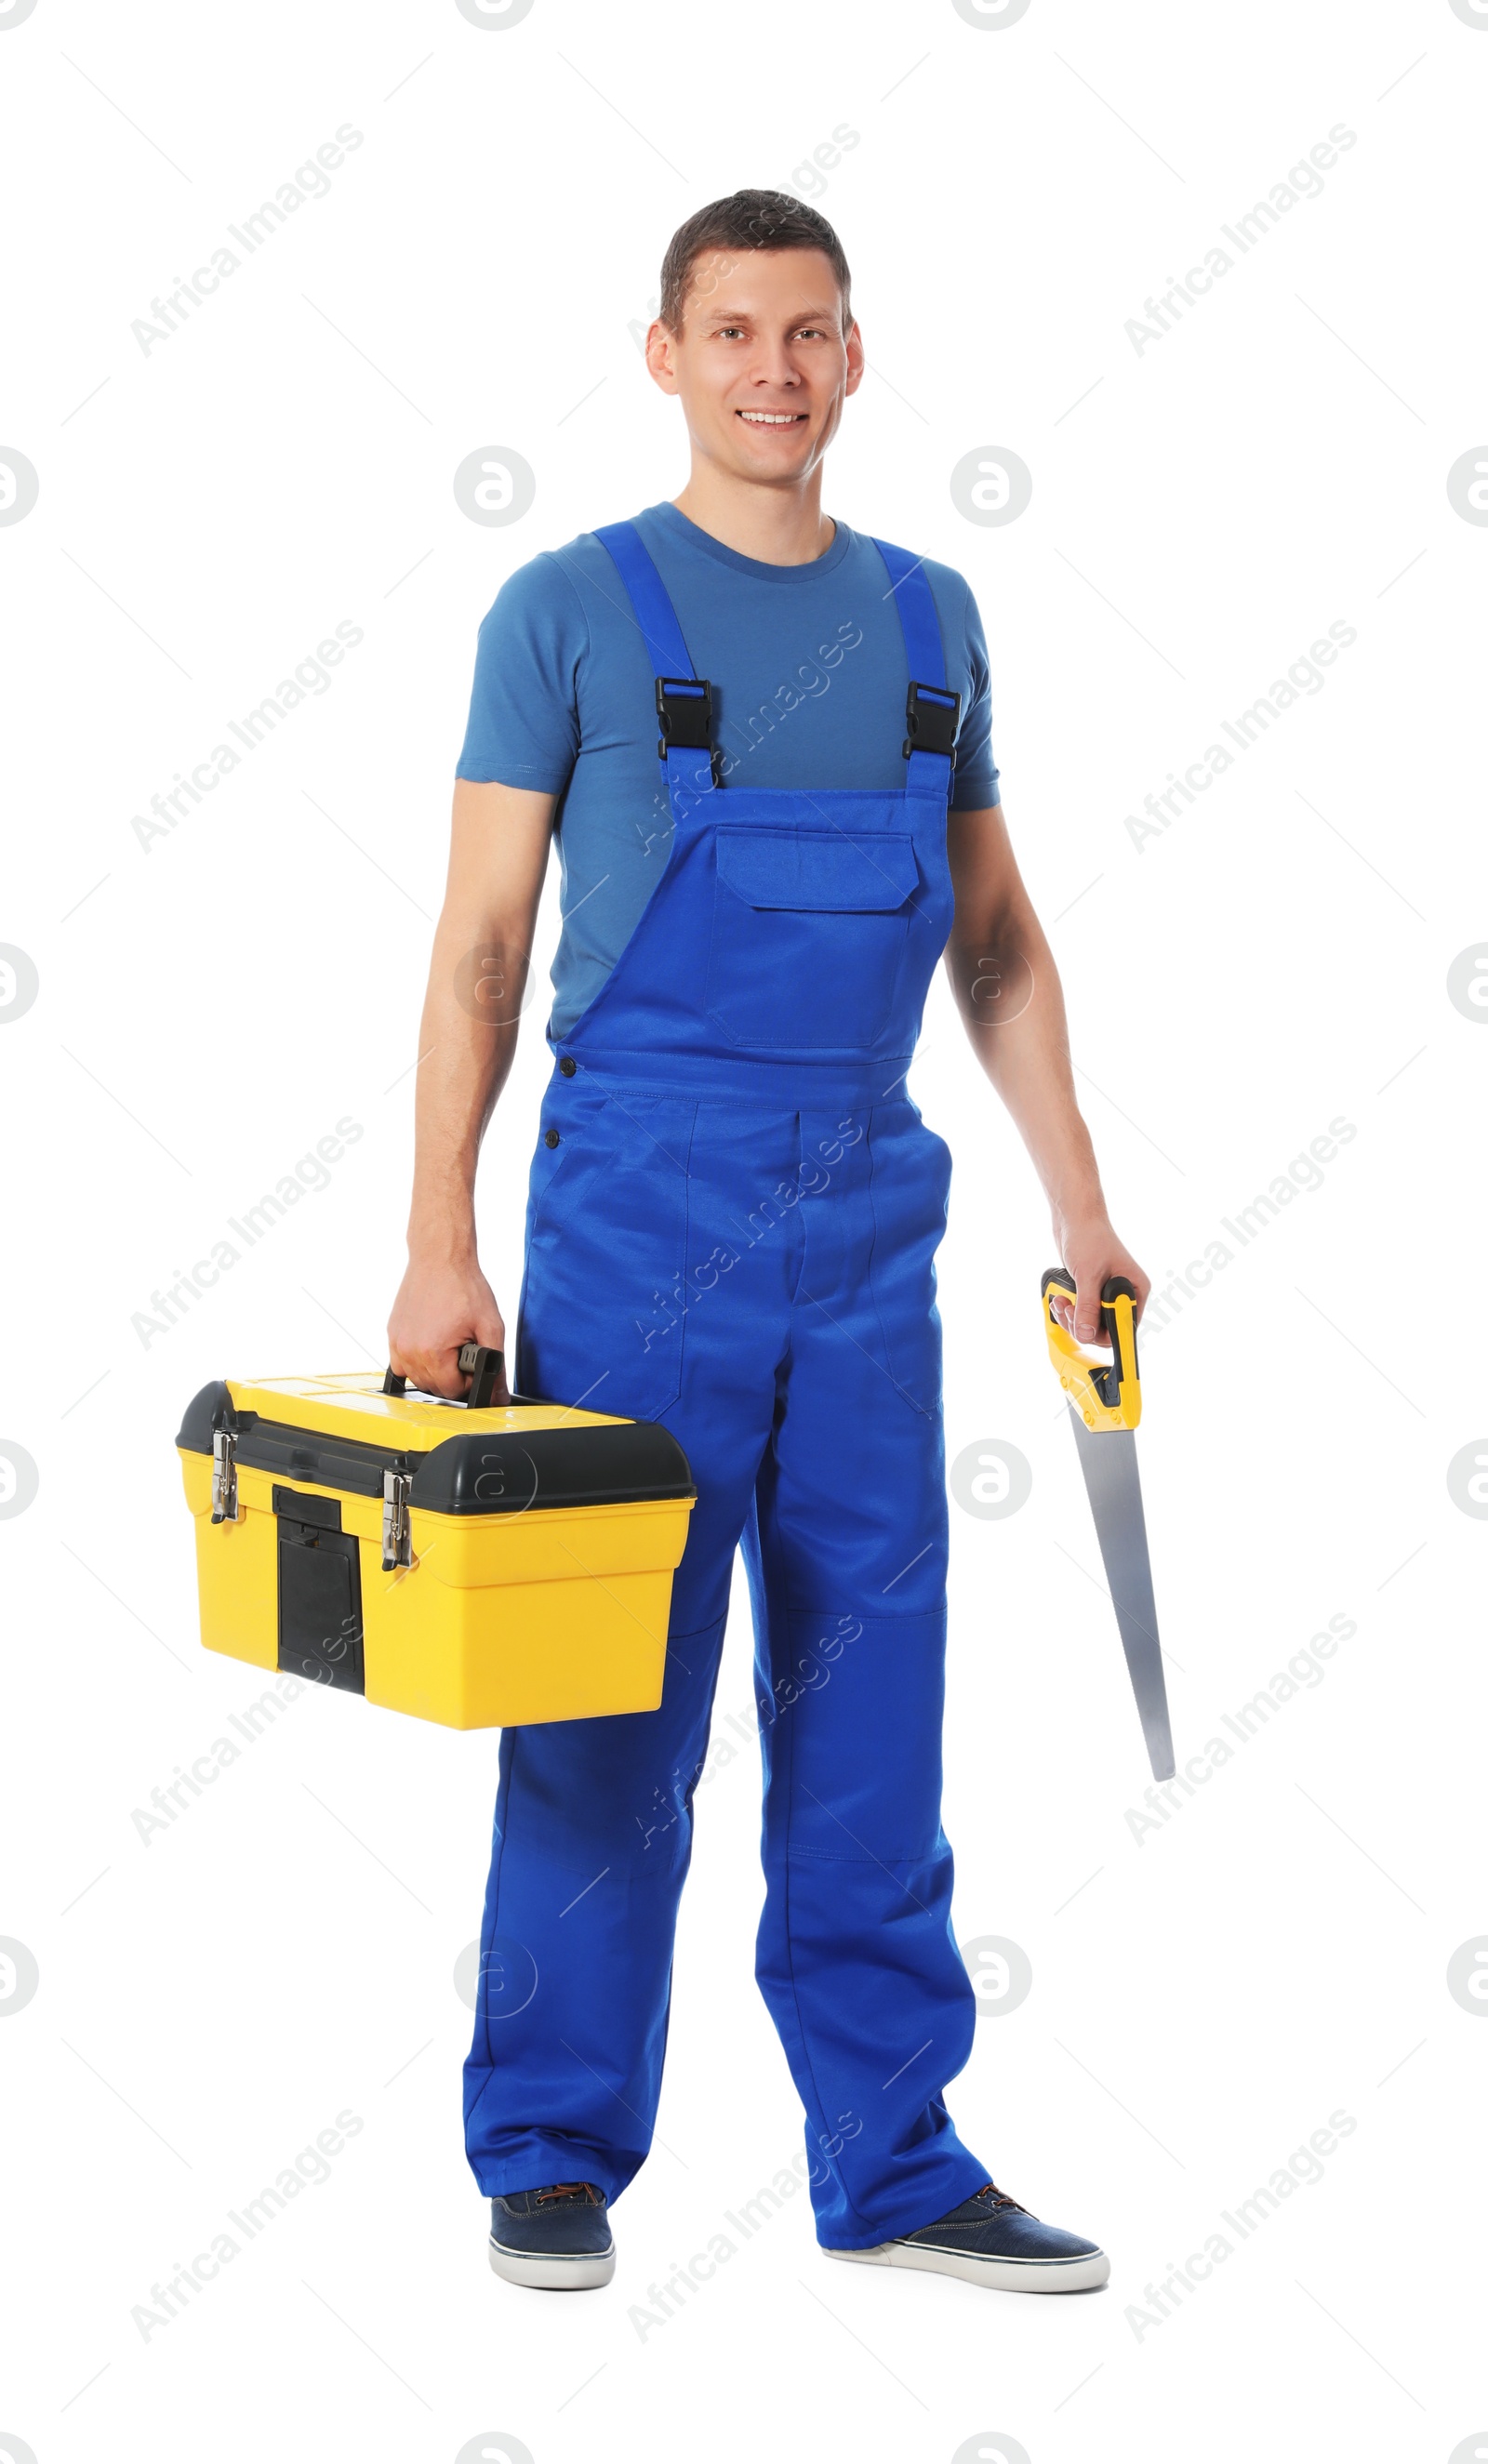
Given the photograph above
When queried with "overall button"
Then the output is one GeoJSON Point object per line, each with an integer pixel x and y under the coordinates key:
{"type": "Point", "coordinates": [567, 1065]}
{"type": "Point", "coordinates": [550, 1138]}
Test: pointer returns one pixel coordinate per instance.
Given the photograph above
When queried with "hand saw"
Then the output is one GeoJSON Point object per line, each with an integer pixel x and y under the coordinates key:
{"type": "Point", "coordinates": [1105, 1406]}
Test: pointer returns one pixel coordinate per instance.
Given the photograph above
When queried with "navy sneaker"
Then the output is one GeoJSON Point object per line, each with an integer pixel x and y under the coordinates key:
{"type": "Point", "coordinates": [557, 2239]}
{"type": "Point", "coordinates": [990, 2240]}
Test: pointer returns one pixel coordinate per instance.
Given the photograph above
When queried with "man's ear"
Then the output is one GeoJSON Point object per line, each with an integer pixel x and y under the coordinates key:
{"type": "Point", "coordinates": [857, 361]}
{"type": "Point", "coordinates": [660, 355]}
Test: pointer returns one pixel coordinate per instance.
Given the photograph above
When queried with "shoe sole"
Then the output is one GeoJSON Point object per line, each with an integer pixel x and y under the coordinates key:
{"type": "Point", "coordinates": [999, 2274]}
{"type": "Point", "coordinates": [577, 2274]}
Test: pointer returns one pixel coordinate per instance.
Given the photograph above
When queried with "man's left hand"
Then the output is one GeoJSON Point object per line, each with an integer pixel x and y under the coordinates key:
{"type": "Point", "coordinates": [1092, 1254]}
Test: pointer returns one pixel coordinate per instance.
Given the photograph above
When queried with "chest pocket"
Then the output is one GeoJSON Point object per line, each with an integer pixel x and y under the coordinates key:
{"type": "Point", "coordinates": [811, 931]}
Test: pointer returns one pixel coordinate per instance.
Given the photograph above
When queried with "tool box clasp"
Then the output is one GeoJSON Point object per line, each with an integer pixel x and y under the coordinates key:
{"type": "Point", "coordinates": [397, 1522]}
{"type": "Point", "coordinates": [224, 1476]}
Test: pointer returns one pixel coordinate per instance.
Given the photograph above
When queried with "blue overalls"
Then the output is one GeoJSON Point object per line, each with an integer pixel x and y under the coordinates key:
{"type": "Point", "coordinates": [732, 1221]}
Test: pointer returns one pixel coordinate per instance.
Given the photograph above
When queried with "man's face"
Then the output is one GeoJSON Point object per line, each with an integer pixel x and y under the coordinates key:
{"type": "Point", "coordinates": [762, 363]}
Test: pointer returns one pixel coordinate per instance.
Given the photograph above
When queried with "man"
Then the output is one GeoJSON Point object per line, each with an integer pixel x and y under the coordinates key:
{"type": "Point", "coordinates": [732, 1220]}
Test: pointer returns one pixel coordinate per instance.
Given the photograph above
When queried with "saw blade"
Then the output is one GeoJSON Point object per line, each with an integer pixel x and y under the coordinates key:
{"type": "Point", "coordinates": [1108, 1459]}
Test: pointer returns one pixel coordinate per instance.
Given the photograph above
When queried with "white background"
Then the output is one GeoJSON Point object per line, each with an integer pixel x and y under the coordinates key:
{"type": "Point", "coordinates": [1276, 1952]}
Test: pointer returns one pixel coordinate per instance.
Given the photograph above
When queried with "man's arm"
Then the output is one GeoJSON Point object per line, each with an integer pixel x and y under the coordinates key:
{"type": "Point", "coordinates": [1007, 989]}
{"type": "Point", "coordinates": [499, 844]}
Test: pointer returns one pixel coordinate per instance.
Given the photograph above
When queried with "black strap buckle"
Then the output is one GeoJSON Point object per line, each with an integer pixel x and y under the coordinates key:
{"type": "Point", "coordinates": [685, 706]}
{"type": "Point", "coordinates": [933, 724]}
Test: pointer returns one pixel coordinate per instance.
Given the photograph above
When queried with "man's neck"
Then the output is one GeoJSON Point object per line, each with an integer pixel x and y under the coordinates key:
{"type": "Point", "coordinates": [773, 525]}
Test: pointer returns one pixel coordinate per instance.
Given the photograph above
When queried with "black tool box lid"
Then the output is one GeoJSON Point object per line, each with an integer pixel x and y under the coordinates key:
{"type": "Point", "coordinates": [504, 1461]}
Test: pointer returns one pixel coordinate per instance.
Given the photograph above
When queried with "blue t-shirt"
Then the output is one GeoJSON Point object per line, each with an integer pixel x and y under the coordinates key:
{"type": "Point", "coordinates": [808, 674]}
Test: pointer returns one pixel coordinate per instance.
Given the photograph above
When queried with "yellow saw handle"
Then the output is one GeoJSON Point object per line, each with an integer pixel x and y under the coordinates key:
{"type": "Point", "coordinates": [1107, 1394]}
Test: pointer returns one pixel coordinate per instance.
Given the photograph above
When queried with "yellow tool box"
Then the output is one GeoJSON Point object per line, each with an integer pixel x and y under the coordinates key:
{"type": "Point", "coordinates": [482, 1564]}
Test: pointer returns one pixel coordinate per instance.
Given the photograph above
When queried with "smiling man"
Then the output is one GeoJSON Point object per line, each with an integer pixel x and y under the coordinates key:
{"type": "Point", "coordinates": [732, 1219]}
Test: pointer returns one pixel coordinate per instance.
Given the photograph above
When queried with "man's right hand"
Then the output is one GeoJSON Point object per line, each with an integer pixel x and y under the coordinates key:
{"type": "Point", "coordinates": [438, 1308]}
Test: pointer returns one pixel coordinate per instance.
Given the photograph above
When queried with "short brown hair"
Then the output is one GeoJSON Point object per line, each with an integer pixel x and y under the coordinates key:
{"type": "Point", "coordinates": [764, 218]}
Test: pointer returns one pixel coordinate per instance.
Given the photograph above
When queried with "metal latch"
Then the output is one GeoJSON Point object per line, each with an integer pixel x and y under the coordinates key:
{"type": "Point", "coordinates": [397, 1522]}
{"type": "Point", "coordinates": [224, 1477]}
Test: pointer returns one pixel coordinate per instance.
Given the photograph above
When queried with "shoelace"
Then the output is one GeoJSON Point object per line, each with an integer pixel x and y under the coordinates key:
{"type": "Point", "coordinates": [999, 2198]}
{"type": "Point", "coordinates": [570, 2191]}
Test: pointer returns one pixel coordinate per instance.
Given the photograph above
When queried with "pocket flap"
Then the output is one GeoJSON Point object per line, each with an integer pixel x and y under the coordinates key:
{"type": "Point", "coordinates": [821, 869]}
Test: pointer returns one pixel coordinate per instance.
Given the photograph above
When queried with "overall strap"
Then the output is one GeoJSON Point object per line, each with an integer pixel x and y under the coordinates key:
{"type": "Point", "coordinates": [684, 700]}
{"type": "Point", "coordinates": [932, 711]}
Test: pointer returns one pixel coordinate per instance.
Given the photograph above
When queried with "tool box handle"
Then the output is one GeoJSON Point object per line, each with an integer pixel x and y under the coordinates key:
{"type": "Point", "coordinates": [477, 1361]}
{"type": "Point", "coordinates": [1116, 1382]}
